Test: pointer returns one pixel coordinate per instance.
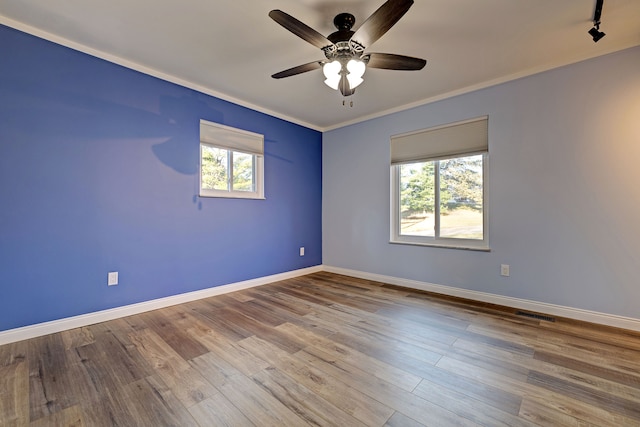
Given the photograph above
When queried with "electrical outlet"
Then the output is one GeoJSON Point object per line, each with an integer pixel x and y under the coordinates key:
{"type": "Point", "coordinates": [504, 270]}
{"type": "Point", "coordinates": [112, 279]}
{"type": "Point", "coordinates": [301, 250]}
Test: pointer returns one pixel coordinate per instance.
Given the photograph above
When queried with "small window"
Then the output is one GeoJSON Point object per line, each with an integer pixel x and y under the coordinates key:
{"type": "Point", "coordinates": [231, 162]}
{"type": "Point", "coordinates": [438, 186]}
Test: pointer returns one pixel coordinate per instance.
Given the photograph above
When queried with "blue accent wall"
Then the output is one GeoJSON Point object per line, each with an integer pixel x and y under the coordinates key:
{"type": "Point", "coordinates": [99, 173]}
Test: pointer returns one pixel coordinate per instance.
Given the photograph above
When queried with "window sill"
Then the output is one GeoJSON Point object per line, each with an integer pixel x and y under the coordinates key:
{"type": "Point", "coordinates": [444, 246]}
{"type": "Point", "coordinates": [231, 196]}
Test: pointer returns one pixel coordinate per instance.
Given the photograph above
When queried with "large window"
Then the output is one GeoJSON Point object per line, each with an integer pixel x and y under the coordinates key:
{"type": "Point", "coordinates": [231, 162]}
{"type": "Point", "coordinates": [438, 186]}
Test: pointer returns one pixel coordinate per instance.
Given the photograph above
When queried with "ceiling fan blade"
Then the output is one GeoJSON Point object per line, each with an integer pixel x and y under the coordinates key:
{"type": "Point", "coordinates": [380, 21]}
{"type": "Point", "coordinates": [389, 61]}
{"type": "Point", "coordinates": [298, 70]}
{"type": "Point", "coordinates": [300, 29]}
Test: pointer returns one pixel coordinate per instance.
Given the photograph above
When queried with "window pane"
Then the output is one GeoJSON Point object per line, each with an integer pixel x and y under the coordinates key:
{"type": "Point", "coordinates": [214, 168]}
{"type": "Point", "coordinates": [243, 172]}
{"type": "Point", "coordinates": [417, 199]}
{"type": "Point", "coordinates": [461, 198]}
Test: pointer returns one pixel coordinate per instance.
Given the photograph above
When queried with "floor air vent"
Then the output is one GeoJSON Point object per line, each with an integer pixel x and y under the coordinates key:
{"type": "Point", "coordinates": [535, 316]}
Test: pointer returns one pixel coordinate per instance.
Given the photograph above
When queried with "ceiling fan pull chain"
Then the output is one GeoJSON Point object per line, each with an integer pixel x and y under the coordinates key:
{"type": "Point", "coordinates": [344, 101]}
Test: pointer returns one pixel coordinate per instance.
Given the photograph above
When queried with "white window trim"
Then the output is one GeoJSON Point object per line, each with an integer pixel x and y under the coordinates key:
{"type": "Point", "coordinates": [258, 164]}
{"type": "Point", "coordinates": [436, 241]}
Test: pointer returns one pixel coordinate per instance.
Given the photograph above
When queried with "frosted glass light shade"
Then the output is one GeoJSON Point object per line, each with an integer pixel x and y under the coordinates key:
{"type": "Point", "coordinates": [331, 72]}
{"type": "Point", "coordinates": [356, 70]}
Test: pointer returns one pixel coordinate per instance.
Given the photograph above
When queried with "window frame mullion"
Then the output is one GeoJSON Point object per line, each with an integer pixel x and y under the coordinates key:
{"type": "Point", "coordinates": [436, 208]}
{"type": "Point", "coordinates": [230, 170]}
{"type": "Point", "coordinates": [254, 166]}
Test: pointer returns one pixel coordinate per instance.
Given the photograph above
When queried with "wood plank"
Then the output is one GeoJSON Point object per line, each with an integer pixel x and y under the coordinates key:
{"type": "Point", "coordinates": [557, 408]}
{"type": "Point", "coordinates": [597, 384]}
{"type": "Point", "coordinates": [468, 407]}
{"type": "Point", "coordinates": [77, 337]}
{"type": "Point", "coordinates": [50, 388]}
{"type": "Point", "coordinates": [110, 410]}
{"type": "Point", "coordinates": [109, 364]}
{"type": "Point", "coordinates": [256, 404]}
{"type": "Point", "coordinates": [500, 366]}
{"type": "Point", "coordinates": [301, 294]}
{"type": "Point", "coordinates": [230, 351]}
{"type": "Point", "coordinates": [596, 397]}
{"type": "Point", "coordinates": [599, 370]}
{"type": "Point", "coordinates": [624, 361]}
{"type": "Point", "coordinates": [341, 395]}
{"type": "Point", "coordinates": [255, 311]}
{"type": "Point", "coordinates": [623, 339]}
{"type": "Point", "coordinates": [487, 348]}
{"type": "Point", "coordinates": [398, 419]}
{"type": "Point", "coordinates": [412, 334]}
{"type": "Point", "coordinates": [297, 308]}
{"type": "Point", "coordinates": [409, 330]}
{"type": "Point", "coordinates": [218, 411]}
{"type": "Point", "coordinates": [186, 384]}
{"type": "Point", "coordinates": [254, 327]}
{"type": "Point", "coordinates": [387, 394]}
{"type": "Point", "coordinates": [543, 415]}
{"type": "Point", "coordinates": [419, 315]}
{"type": "Point", "coordinates": [579, 372]}
{"type": "Point", "coordinates": [567, 404]}
{"type": "Point", "coordinates": [13, 353]}
{"type": "Point", "coordinates": [275, 306]}
{"type": "Point", "coordinates": [156, 351]}
{"type": "Point", "coordinates": [240, 296]}
{"type": "Point", "coordinates": [374, 343]}
{"type": "Point", "coordinates": [218, 319]}
{"type": "Point", "coordinates": [382, 370]}
{"type": "Point", "coordinates": [14, 394]}
{"type": "Point", "coordinates": [69, 417]}
{"type": "Point", "coordinates": [303, 402]}
{"type": "Point", "coordinates": [339, 295]}
{"type": "Point", "coordinates": [165, 326]}
{"type": "Point", "coordinates": [151, 403]}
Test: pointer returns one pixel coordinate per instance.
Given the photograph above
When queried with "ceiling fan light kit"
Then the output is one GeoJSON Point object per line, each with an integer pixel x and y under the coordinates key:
{"type": "Point", "coordinates": [344, 49]}
{"type": "Point", "coordinates": [335, 71]}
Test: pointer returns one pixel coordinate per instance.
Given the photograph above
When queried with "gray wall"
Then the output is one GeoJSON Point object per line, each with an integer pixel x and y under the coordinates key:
{"type": "Point", "coordinates": [564, 190]}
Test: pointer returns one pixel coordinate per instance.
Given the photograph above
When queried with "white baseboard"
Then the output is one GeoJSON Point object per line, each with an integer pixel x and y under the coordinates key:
{"type": "Point", "coordinates": [32, 331]}
{"type": "Point", "coordinates": [523, 304]}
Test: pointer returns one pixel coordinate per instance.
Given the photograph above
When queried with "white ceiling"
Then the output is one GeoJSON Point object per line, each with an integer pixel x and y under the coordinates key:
{"type": "Point", "coordinates": [230, 48]}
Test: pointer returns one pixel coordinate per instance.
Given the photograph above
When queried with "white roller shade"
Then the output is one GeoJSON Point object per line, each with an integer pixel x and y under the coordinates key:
{"type": "Point", "coordinates": [452, 140]}
{"type": "Point", "coordinates": [233, 139]}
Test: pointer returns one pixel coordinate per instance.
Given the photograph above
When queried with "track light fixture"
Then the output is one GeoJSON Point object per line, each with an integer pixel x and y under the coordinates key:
{"type": "Point", "coordinates": [595, 32]}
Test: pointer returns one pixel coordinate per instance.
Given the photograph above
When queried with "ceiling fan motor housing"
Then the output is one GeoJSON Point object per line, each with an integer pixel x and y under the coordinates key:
{"type": "Point", "coordinates": [343, 48]}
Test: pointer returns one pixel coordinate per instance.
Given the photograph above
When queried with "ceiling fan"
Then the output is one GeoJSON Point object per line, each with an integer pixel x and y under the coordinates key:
{"type": "Point", "coordinates": [344, 49]}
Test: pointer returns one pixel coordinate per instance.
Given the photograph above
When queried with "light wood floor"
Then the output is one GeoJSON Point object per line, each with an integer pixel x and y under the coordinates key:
{"type": "Point", "coordinates": [324, 349]}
